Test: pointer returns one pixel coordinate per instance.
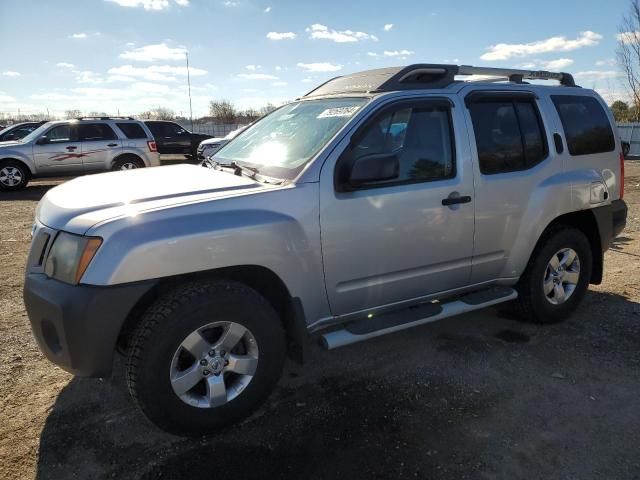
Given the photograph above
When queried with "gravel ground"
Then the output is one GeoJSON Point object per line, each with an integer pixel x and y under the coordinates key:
{"type": "Point", "coordinates": [483, 395]}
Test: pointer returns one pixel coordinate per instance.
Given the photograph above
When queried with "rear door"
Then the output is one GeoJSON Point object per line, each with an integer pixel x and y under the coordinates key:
{"type": "Point", "coordinates": [58, 150]}
{"type": "Point", "coordinates": [513, 163]}
{"type": "Point", "coordinates": [397, 241]}
{"type": "Point", "coordinates": [170, 137]}
{"type": "Point", "coordinates": [100, 145]}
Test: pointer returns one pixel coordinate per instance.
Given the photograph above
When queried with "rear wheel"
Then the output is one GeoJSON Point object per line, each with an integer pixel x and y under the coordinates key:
{"type": "Point", "coordinates": [205, 356]}
{"type": "Point", "coordinates": [127, 162]}
{"type": "Point", "coordinates": [557, 276]}
{"type": "Point", "coordinates": [13, 175]}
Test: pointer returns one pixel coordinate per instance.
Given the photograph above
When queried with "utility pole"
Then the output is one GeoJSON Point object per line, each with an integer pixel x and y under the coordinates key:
{"type": "Point", "coordinates": [189, 85]}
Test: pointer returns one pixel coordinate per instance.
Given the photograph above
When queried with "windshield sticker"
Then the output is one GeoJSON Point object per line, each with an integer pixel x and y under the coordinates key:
{"type": "Point", "coordinates": [338, 112]}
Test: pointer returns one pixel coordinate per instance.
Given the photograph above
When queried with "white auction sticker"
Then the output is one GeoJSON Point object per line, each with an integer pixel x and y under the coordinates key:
{"type": "Point", "coordinates": [338, 112]}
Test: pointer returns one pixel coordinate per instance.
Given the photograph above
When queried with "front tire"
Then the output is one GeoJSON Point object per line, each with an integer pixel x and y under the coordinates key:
{"type": "Point", "coordinates": [205, 356]}
{"type": "Point", "coordinates": [557, 276]}
{"type": "Point", "coordinates": [13, 175]}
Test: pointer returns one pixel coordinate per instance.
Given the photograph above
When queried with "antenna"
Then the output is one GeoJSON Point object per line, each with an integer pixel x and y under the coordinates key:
{"type": "Point", "coordinates": [186, 54]}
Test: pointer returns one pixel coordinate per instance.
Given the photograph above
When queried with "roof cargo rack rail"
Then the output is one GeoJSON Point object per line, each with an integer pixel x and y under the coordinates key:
{"type": "Point", "coordinates": [427, 76]}
{"type": "Point", "coordinates": [105, 118]}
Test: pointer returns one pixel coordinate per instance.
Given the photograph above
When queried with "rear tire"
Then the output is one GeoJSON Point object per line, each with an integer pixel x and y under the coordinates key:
{"type": "Point", "coordinates": [14, 175]}
{"type": "Point", "coordinates": [557, 276]}
{"type": "Point", "coordinates": [127, 162]}
{"type": "Point", "coordinates": [190, 387]}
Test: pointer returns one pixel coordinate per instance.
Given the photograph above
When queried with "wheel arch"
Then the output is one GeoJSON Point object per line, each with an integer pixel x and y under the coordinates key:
{"type": "Point", "coordinates": [30, 170]}
{"type": "Point", "coordinates": [261, 279]}
{"type": "Point", "coordinates": [587, 223]}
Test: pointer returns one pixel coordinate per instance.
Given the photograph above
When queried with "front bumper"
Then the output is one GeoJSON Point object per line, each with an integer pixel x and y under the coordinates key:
{"type": "Point", "coordinates": [77, 326]}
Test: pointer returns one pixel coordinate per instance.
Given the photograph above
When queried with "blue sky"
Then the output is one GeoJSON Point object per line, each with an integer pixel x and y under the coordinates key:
{"type": "Point", "coordinates": [128, 55]}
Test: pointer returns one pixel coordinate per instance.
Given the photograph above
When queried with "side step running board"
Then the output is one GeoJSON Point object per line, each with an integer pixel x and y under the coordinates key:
{"type": "Point", "coordinates": [364, 329]}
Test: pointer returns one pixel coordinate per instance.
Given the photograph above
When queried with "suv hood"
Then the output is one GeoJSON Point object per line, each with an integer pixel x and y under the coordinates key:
{"type": "Point", "coordinates": [79, 204]}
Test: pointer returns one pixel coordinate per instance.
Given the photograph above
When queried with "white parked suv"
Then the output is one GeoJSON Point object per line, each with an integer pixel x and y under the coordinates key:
{"type": "Point", "coordinates": [74, 147]}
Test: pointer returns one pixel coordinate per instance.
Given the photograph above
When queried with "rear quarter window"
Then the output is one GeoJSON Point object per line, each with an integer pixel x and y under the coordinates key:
{"type": "Point", "coordinates": [132, 130]}
{"type": "Point", "coordinates": [585, 123]}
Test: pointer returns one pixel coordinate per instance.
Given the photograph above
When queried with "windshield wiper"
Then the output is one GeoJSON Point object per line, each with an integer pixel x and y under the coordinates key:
{"type": "Point", "coordinates": [250, 172]}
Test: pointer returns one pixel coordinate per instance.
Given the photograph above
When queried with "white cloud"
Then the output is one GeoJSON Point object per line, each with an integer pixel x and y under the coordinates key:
{"type": "Point", "coordinates": [505, 51]}
{"type": "Point", "coordinates": [319, 67]}
{"type": "Point", "coordinates": [345, 36]}
{"type": "Point", "coordinates": [6, 98]}
{"type": "Point", "coordinates": [609, 62]}
{"type": "Point", "coordinates": [278, 68]}
{"type": "Point", "coordinates": [597, 74]}
{"type": "Point", "coordinates": [79, 35]}
{"type": "Point", "coordinates": [229, 3]}
{"type": "Point", "coordinates": [152, 53]}
{"type": "Point", "coordinates": [257, 76]}
{"type": "Point", "coordinates": [281, 35]}
{"type": "Point", "coordinates": [10, 73]}
{"type": "Point", "coordinates": [397, 53]}
{"type": "Point", "coordinates": [626, 37]}
{"type": "Point", "coordinates": [267, 10]}
{"type": "Point", "coordinates": [87, 76]}
{"type": "Point", "coordinates": [307, 80]}
{"type": "Point", "coordinates": [149, 4]}
{"type": "Point", "coordinates": [279, 84]}
{"type": "Point", "coordinates": [558, 64]}
{"type": "Point", "coordinates": [154, 73]}
{"type": "Point", "coordinates": [388, 27]}
{"type": "Point", "coordinates": [65, 65]}
{"type": "Point", "coordinates": [253, 68]}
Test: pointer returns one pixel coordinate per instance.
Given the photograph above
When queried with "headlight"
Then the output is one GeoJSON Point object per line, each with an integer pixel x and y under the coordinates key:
{"type": "Point", "coordinates": [70, 256]}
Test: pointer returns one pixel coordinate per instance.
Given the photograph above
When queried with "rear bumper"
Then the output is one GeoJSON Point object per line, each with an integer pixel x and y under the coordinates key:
{"type": "Point", "coordinates": [77, 326]}
{"type": "Point", "coordinates": [611, 220]}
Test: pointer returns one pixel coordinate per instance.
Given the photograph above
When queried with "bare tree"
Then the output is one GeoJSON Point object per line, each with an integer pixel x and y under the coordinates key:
{"type": "Point", "coordinates": [628, 52]}
{"type": "Point", "coordinates": [223, 111]}
{"type": "Point", "coordinates": [69, 114]}
{"type": "Point", "coordinates": [159, 113]}
{"type": "Point", "coordinates": [268, 108]}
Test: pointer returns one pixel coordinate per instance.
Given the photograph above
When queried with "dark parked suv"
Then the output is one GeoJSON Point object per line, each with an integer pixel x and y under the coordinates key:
{"type": "Point", "coordinates": [174, 140]}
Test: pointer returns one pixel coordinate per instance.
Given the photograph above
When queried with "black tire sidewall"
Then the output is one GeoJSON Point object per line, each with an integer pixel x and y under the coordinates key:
{"type": "Point", "coordinates": [153, 389]}
{"type": "Point", "coordinates": [544, 311]}
{"type": "Point", "coordinates": [23, 170]}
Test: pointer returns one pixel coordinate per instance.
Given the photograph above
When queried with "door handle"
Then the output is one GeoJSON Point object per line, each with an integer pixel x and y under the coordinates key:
{"type": "Point", "coordinates": [557, 139]}
{"type": "Point", "coordinates": [112, 145]}
{"type": "Point", "coordinates": [455, 200]}
{"type": "Point", "coordinates": [71, 148]}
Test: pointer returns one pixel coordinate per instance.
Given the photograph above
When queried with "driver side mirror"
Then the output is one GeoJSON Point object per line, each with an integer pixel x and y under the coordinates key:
{"type": "Point", "coordinates": [42, 141]}
{"type": "Point", "coordinates": [366, 170]}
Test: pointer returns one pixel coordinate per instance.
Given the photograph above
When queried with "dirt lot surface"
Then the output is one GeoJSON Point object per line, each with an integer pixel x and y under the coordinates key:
{"type": "Point", "coordinates": [483, 395]}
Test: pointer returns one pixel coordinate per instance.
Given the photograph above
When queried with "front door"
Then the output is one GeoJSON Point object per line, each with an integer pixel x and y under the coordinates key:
{"type": "Point", "coordinates": [100, 145]}
{"type": "Point", "coordinates": [395, 241]}
{"type": "Point", "coordinates": [58, 151]}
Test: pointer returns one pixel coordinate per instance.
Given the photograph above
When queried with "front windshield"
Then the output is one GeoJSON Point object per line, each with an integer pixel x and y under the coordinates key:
{"type": "Point", "coordinates": [280, 144]}
{"type": "Point", "coordinates": [36, 133]}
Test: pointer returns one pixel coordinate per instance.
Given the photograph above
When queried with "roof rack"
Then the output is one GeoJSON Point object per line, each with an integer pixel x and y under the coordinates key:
{"type": "Point", "coordinates": [427, 76]}
{"type": "Point", "coordinates": [105, 118]}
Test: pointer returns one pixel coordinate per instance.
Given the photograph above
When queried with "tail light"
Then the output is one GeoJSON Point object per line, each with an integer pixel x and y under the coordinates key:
{"type": "Point", "coordinates": [621, 180]}
{"type": "Point", "coordinates": [152, 146]}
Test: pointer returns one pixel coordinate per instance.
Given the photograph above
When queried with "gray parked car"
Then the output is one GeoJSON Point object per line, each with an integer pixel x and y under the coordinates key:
{"type": "Point", "coordinates": [74, 147]}
{"type": "Point", "coordinates": [377, 202]}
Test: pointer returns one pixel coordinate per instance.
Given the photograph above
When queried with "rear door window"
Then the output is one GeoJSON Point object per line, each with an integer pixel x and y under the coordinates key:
{"type": "Point", "coordinates": [132, 130]}
{"type": "Point", "coordinates": [585, 123]}
{"type": "Point", "coordinates": [91, 132]}
{"type": "Point", "coordinates": [509, 134]}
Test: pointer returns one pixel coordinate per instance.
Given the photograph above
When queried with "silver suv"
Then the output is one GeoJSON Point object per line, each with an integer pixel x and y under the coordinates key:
{"type": "Point", "coordinates": [74, 147]}
{"type": "Point", "coordinates": [377, 202]}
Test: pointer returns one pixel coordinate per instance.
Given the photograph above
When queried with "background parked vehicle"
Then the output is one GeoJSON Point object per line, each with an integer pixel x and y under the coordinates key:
{"type": "Point", "coordinates": [212, 145]}
{"type": "Point", "coordinates": [18, 131]}
{"type": "Point", "coordinates": [174, 141]}
{"type": "Point", "coordinates": [73, 147]}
